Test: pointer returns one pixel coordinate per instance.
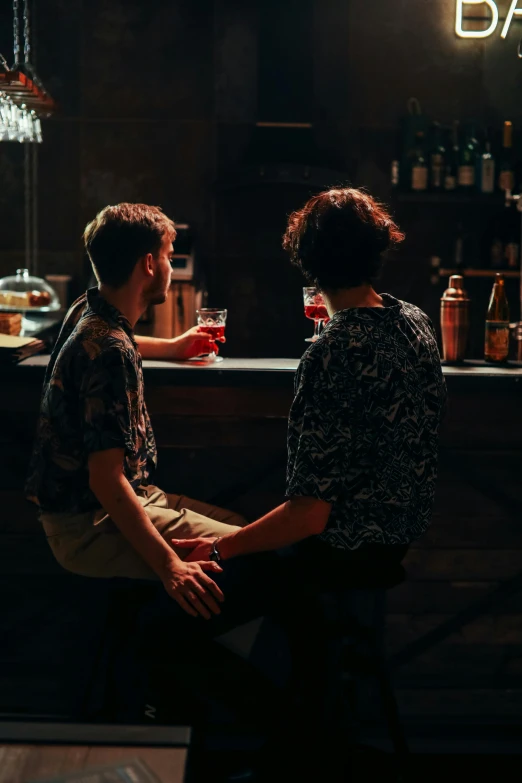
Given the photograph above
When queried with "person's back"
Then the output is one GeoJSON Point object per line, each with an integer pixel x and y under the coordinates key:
{"type": "Point", "coordinates": [92, 400]}
{"type": "Point", "coordinates": [375, 384]}
{"type": "Point", "coordinates": [94, 453]}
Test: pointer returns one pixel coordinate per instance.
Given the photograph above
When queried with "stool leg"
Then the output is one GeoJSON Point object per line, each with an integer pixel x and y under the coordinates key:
{"type": "Point", "coordinates": [389, 703]}
{"type": "Point", "coordinates": [374, 603]}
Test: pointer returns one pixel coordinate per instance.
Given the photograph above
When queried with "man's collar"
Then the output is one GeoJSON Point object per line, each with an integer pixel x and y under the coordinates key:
{"type": "Point", "coordinates": [101, 307]}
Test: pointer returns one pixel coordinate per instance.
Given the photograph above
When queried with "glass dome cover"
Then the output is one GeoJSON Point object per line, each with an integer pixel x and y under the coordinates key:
{"type": "Point", "coordinates": [23, 292]}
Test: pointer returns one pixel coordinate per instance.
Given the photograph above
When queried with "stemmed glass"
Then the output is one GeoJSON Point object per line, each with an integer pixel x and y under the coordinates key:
{"type": "Point", "coordinates": [315, 309]}
{"type": "Point", "coordinates": [214, 322]}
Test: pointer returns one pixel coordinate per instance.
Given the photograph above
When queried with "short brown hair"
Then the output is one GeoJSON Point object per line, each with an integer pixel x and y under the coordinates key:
{"type": "Point", "coordinates": [337, 239]}
{"type": "Point", "coordinates": [119, 235]}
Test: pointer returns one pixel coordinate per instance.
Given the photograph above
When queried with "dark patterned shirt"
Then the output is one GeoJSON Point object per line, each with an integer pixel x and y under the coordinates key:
{"type": "Point", "coordinates": [92, 400]}
{"type": "Point", "coordinates": [364, 424]}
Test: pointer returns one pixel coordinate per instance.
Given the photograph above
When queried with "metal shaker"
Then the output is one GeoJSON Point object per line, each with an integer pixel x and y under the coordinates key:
{"type": "Point", "coordinates": [454, 320]}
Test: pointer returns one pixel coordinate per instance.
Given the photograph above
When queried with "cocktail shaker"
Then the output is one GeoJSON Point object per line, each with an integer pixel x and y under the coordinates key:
{"type": "Point", "coordinates": [454, 320]}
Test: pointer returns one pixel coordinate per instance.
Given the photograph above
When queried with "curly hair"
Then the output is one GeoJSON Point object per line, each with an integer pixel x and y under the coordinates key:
{"type": "Point", "coordinates": [337, 239]}
{"type": "Point", "coordinates": [119, 235]}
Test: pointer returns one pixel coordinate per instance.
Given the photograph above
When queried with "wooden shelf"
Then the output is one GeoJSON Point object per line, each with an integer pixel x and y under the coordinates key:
{"type": "Point", "coordinates": [508, 273]}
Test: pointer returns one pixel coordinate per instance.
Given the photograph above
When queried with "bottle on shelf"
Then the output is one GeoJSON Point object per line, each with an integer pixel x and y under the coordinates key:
{"type": "Point", "coordinates": [437, 159]}
{"type": "Point", "coordinates": [419, 166]}
{"type": "Point", "coordinates": [486, 169]}
{"type": "Point", "coordinates": [395, 174]}
{"type": "Point", "coordinates": [506, 177]}
{"type": "Point", "coordinates": [467, 161]}
{"type": "Point", "coordinates": [496, 347]}
{"type": "Point", "coordinates": [512, 239]}
{"type": "Point", "coordinates": [452, 160]}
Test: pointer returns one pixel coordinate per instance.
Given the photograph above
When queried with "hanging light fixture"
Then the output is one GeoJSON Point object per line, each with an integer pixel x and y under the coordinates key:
{"type": "Point", "coordinates": [23, 98]}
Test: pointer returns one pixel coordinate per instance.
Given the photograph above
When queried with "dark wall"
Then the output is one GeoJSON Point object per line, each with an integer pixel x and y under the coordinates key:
{"type": "Point", "coordinates": [158, 101]}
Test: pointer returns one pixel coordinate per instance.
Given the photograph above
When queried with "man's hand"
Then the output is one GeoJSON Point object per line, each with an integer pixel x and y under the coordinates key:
{"type": "Point", "coordinates": [187, 583]}
{"type": "Point", "coordinates": [194, 342]}
{"type": "Point", "coordinates": [201, 548]}
{"type": "Point", "coordinates": [193, 590]}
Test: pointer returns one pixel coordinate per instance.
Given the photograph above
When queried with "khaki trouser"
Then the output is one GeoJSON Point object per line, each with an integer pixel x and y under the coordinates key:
{"type": "Point", "coordinates": [90, 544]}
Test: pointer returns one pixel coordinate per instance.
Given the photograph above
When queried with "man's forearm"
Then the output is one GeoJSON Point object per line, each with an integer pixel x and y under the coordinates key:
{"type": "Point", "coordinates": [287, 524]}
{"type": "Point", "coordinates": [119, 500]}
{"type": "Point", "coordinates": [154, 347]}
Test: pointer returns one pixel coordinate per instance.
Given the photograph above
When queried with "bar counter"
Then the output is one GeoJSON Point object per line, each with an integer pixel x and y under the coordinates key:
{"type": "Point", "coordinates": [221, 432]}
{"type": "Point", "coordinates": [266, 372]}
{"type": "Point", "coordinates": [199, 405]}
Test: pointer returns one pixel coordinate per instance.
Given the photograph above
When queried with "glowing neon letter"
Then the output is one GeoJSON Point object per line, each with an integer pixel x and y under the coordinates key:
{"type": "Point", "coordinates": [513, 11]}
{"type": "Point", "coordinates": [478, 33]}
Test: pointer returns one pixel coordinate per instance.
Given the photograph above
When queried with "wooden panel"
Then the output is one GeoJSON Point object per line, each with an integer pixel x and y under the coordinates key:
{"type": "Point", "coordinates": [197, 401]}
{"type": "Point", "coordinates": [421, 597]}
{"type": "Point", "coordinates": [198, 432]}
{"type": "Point", "coordinates": [480, 419]}
{"type": "Point", "coordinates": [505, 629]}
{"type": "Point", "coordinates": [252, 478]}
{"type": "Point", "coordinates": [439, 703]}
{"type": "Point", "coordinates": [462, 564]}
{"type": "Point", "coordinates": [453, 530]}
{"type": "Point", "coordinates": [413, 42]}
{"type": "Point", "coordinates": [464, 663]}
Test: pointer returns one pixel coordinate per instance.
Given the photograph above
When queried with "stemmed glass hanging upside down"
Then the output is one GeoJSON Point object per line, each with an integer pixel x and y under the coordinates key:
{"type": "Point", "coordinates": [315, 309]}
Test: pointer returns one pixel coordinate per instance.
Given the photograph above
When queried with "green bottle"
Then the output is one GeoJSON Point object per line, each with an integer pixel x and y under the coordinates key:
{"type": "Point", "coordinates": [467, 162]}
{"type": "Point", "coordinates": [419, 166]}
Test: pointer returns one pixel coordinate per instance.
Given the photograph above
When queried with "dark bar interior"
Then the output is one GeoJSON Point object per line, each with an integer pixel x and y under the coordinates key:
{"type": "Point", "coordinates": [231, 116]}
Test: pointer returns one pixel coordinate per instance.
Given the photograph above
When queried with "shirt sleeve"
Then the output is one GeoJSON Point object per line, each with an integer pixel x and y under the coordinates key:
{"type": "Point", "coordinates": [108, 403]}
{"type": "Point", "coordinates": [318, 436]}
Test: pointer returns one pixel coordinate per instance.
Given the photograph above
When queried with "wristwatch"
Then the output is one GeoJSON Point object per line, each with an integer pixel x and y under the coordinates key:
{"type": "Point", "coordinates": [214, 554]}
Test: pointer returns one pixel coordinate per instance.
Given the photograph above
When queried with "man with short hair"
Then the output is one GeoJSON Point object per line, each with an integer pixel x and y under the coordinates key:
{"type": "Point", "coordinates": [94, 453]}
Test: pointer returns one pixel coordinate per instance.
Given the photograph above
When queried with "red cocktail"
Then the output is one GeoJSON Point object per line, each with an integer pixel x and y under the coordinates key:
{"type": "Point", "coordinates": [315, 309]}
{"type": "Point", "coordinates": [217, 332]}
{"type": "Point", "coordinates": [213, 321]}
{"type": "Point", "coordinates": [317, 312]}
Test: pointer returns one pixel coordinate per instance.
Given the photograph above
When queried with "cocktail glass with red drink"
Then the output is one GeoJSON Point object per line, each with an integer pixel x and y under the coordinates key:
{"type": "Point", "coordinates": [315, 309]}
{"type": "Point", "coordinates": [213, 320]}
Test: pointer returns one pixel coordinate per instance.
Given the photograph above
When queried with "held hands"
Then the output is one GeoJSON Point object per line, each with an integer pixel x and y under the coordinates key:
{"type": "Point", "coordinates": [188, 584]}
{"type": "Point", "coordinates": [201, 548]}
{"type": "Point", "coordinates": [194, 342]}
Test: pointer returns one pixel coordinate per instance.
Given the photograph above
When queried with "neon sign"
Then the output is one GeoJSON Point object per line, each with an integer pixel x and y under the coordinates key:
{"type": "Point", "coordinates": [464, 5]}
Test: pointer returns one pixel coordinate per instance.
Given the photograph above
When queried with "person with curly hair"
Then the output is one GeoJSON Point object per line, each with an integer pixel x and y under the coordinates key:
{"type": "Point", "coordinates": [369, 398]}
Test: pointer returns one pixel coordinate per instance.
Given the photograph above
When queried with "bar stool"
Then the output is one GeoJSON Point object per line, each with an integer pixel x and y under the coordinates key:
{"type": "Point", "coordinates": [115, 689]}
{"type": "Point", "coordinates": [356, 623]}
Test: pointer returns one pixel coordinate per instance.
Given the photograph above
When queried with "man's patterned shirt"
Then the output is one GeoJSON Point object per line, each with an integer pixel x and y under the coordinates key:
{"type": "Point", "coordinates": [364, 424]}
{"type": "Point", "coordinates": [92, 400]}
